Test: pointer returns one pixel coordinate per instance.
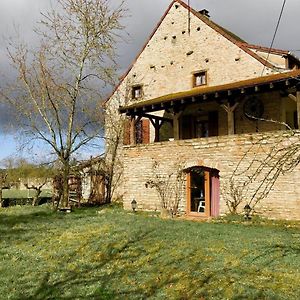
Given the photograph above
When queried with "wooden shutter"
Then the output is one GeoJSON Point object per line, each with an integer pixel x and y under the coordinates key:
{"type": "Point", "coordinates": [126, 132]}
{"type": "Point", "coordinates": [146, 131]}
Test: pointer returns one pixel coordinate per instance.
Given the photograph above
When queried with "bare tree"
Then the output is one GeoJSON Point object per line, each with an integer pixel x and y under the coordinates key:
{"type": "Point", "coordinates": [56, 96]}
{"type": "Point", "coordinates": [33, 177]}
{"type": "Point", "coordinates": [272, 155]}
{"type": "Point", "coordinates": [167, 185]}
{"type": "Point", "coordinates": [113, 160]}
{"type": "Point", "coordinates": [3, 184]}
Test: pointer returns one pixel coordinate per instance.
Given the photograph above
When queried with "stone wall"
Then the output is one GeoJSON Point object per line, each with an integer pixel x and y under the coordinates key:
{"type": "Point", "coordinates": [223, 153]}
{"type": "Point", "coordinates": [164, 66]}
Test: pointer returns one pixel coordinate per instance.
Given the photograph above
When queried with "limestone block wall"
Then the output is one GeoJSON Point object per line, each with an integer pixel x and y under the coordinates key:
{"type": "Point", "coordinates": [168, 61]}
{"type": "Point", "coordinates": [222, 153]}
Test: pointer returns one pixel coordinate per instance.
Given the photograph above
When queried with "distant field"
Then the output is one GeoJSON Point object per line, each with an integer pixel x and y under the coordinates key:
{"type": "Point", "coordinates": [113, 254]}
{"type": "Point", "coordinates": [23, 194]}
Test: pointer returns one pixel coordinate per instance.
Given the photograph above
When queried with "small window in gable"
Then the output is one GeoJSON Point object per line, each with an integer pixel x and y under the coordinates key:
{"type": "Point", "coordinates": [137, 92]}
{"type": "Point", "coordinates": [200, 78]}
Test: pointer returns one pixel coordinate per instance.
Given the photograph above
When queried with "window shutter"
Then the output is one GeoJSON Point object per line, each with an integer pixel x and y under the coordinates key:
{"type": "Point", "coordinates": [213, 124]}
{"type": "Point", "coordinates": [126, 132]}
{"type": "Point", "coordinates": [146, 131]}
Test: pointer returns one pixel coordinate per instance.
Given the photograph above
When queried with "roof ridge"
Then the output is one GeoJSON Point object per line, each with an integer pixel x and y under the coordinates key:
{"type": "Point", "coordinates": [221, 30]}
{"type": "Point", "coordinates": [208, 22]}
{"type": "Point", "coordinates": [266, 49]}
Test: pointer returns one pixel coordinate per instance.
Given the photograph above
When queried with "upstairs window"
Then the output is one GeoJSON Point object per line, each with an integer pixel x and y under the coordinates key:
{"type": "Point", "coordinates": [200, 78]}
{"type": "Point", "coordinates": [137, 92]}
{"type": "Point", "coordinates": [142, 132]}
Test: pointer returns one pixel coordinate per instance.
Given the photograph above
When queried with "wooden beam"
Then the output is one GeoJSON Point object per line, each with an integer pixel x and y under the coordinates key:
{"type": "Point", "coordinates": [298, 108]}
{"type": "Point", "coordinates": [294, 98]}
{"type": "Point", "coordinates": [230, 116]}
{"type": "Point", "coordinates": [157, 128]}
{"type": "Point", "coordinates": [176, 128]}
{"type": "Point", "coordinates": [149, 116]}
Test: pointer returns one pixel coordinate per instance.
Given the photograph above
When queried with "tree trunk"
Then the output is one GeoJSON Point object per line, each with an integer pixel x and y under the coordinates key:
{"type": "Point", "coordinates": [64, 202]}
{"type": "Point", "coordinates": [2, 181]}
{"type": "Point", "coordinates": [36, 197]}
{"type": "Point", "coordinates": [34, 200]}
{"type": "Point", "coordinates": [1, 201]}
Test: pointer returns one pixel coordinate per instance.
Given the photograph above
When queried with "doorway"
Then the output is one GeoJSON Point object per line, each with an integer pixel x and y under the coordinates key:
{"type": "Point", "coordinates": [203, 193]}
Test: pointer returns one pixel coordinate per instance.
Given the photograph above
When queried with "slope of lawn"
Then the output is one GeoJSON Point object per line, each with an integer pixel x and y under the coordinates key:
{"type": "Point", "coordinates": [111, 254]}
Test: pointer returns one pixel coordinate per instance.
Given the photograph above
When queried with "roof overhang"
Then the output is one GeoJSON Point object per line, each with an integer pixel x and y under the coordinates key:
{"type": "Point", "coordinates": [203, 94]}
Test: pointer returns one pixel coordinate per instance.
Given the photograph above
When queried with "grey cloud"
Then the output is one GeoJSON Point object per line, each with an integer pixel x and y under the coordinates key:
{"type": "Point", "coordinates": [252, 20]}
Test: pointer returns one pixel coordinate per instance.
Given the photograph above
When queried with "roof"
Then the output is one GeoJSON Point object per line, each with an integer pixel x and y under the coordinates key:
{"type": "Point", "coordinates": [244, 84]}
{"type": "Point", "coordinates": [266, 49]}
{"type": "Point", "coordinates": [224, 32]}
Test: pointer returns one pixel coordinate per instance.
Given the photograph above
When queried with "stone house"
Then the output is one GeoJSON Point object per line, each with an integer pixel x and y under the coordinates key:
{"type": "Point", "coordinates": [208, 121]}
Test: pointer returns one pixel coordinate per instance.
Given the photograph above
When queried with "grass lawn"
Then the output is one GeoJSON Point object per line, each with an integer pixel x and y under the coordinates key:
{"type": "Point", "coordinates": [23, 194]}
{"type": "Point", "coordinates": [112, 254]}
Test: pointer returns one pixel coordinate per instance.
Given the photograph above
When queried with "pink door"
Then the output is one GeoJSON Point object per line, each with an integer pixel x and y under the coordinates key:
{"type": "Point", "coordinates": [215, 195]}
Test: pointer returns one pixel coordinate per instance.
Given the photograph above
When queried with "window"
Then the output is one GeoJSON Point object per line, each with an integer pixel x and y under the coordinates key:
{"type": "Point", "coordinates": [137, 92]}
{"type": "Point", "coordinates": [142, 132]}
{"type": "Point", "coordinates": [200, 78]}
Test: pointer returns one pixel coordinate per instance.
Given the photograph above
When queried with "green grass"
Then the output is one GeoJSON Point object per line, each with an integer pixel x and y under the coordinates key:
{"type": "Point", "coordinates": [114, 254]}
{"type": "Point", "coordinates": [24, 194]}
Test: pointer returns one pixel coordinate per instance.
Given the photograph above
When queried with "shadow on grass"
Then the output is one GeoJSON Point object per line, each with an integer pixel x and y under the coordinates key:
{"type": "Point", "coordinates": [120, 262]}
{"type": "Point", "coordinates": [98, 280]}
{"type": "Point", "coordinates": [69, 287]}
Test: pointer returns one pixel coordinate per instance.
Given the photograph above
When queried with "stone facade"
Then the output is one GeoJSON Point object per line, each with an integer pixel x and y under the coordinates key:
{"type": "Point", "coordinates": [222, 153]}
{"type": "Point", "coordinates": [167, 65]}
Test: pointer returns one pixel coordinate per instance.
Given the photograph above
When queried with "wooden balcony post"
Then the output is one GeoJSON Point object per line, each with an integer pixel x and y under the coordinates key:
{"type": "Point", "coordinates": [297, 100]}
{"type": "Point", "coordinates": [230, 116]}
{"type": "Point", "coordinates": [176, 127]}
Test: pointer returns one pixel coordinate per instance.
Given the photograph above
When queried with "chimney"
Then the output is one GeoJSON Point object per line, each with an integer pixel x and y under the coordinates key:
{"type": "Point", "coordinates": [204, 12]}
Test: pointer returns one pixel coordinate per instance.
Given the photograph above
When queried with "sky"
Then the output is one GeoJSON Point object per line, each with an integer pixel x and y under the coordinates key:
{"type": "Point", "coordinates": [252, 20]}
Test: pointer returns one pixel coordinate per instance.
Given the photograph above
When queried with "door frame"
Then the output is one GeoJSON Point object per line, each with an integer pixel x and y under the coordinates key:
{"type": "Point", "coordinates": [207, 194]}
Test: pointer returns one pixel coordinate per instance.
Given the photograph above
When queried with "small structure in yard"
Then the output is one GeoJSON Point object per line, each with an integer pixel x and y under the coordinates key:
{"type": "Point", "coordinates": [75, 190]}
{"type": "Point", "coordinates": [94, 180]}
{"type": "Point", "coordinates": [86, 183]}
{"type": "Point", "coordinates": [210, 120]}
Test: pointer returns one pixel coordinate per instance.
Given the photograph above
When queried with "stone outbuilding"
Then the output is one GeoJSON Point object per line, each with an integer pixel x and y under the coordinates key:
{"type": "Point", "coordinates": [210, 122]}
